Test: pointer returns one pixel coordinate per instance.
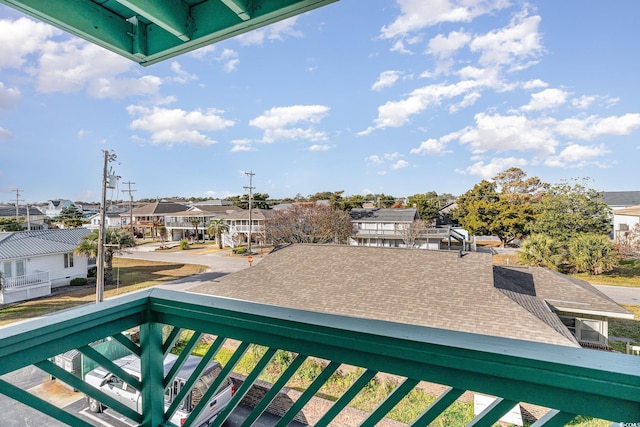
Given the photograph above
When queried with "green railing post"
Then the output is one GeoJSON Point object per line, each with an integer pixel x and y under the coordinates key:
{"type": "Point", "coordinates": [152, 371]}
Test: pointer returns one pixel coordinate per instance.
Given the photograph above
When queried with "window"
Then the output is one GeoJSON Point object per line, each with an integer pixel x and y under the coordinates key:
{"type": "Point", "coordinates": [585, 329]}
{"type": "Point", "coordinates": [7, 269]}
{"type": "Point", "coordinates": [20, 270]}
{"type": "Point", "coordinates": [68, 260]}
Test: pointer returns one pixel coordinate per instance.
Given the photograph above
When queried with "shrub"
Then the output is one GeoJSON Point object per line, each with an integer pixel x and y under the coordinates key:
{"type": "Point", "coordinates": [92, 272]}
{"type": "Point", "coordinates": [240, 250]}
{"type": "Point", "coordinates": [78, 281]}
{"type": "Point", "coordinates": [184, 244]}
{"type": "Point", "coordinates": [592, 253]}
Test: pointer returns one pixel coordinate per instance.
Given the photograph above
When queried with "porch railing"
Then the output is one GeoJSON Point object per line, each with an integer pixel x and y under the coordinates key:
{"type": "Point", "coordinates": [17, 282]}
{"type": "Point", "coordinates": [570, 381]}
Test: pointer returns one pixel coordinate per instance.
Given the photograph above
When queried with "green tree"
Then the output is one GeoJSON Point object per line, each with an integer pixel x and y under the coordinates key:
{"type": "Point", "coordinates": [502, 207]}
{"type": "Point", "coordinates": [311, 223]}
{"type": "Point", "coordinates": [540, 250]}
{"type": "Point", "coordinates": [10, 224]}
{"type": "Point", "coordinates": [592, 253]}
{"type": "Point", "coordinates": [216, 228]}
{"type": "Point", "coordinates": [70, 216]}
{"type": "Point", "coordinates": [428, 205]}
{"type": "Point", "coordinates": [476, 208]}
{"type": "Point", "coordinates": [567, 210]}
{"type": "Point", "coordinates": [115, 239]}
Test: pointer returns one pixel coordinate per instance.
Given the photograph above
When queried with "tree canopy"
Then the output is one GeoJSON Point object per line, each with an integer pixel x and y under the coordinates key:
{"type": "Point", "coordinates": [566, 210]}
{"type": "Point", "coordinates": [115, 239]}
{"type": "Point", "coordinates": [308, 223]}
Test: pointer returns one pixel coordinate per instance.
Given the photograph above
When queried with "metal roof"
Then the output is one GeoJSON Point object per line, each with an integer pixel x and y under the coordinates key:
{"type": "Point", "coordinates": [23, 244]}
{"type": "Point", "coordinates": [149, 31]}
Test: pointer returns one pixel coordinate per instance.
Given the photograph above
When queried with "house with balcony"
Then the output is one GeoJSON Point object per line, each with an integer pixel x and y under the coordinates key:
{"type": "Point", "coordinates": [243, 223]}
{"type": "Point", "coordinates": [388, 227]}
{"type": "Point", "coordinates": [149, 217]}
{"type": "Point", "coordinates": [34, 262]}
{"type": "Point", "coordinates": [624, 220]}
{"type": "Point", "coordinates": [193, 222]}
{"type": "Point", "coordinates": [112, 220]}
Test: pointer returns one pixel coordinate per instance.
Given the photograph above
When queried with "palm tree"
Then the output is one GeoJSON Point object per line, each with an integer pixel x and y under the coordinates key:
{"type": "Point", "coordinates": [114, 239]}
{"type": "Point", "coordinates": [217, 227]}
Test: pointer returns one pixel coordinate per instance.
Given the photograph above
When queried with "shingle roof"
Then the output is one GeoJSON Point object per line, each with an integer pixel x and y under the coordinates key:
{"type": "Point", "coordinates": [621, 198]}
{"type": "Point", "coordinates": [159, 208]}
{"type": "Point", "coordinates": [383, 215]}
{"type": "Point", "coordinates": [421, 287]}
{"type": "Point", "coordinates": [256, 214]}
{"type": "Point", "coordinates": [10, 211]}
{"type": "Point", "coordinates": [21, 244]}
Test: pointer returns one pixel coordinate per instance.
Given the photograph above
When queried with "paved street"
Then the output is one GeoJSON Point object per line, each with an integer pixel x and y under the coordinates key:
{"type": "Point", "coordinates": [621, 295]}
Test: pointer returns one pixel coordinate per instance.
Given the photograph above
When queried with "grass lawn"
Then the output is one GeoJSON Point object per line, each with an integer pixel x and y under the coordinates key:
{"type": "Point", "coordinates": [627, 273]}
{"type": "Point", "coordinates": [133, 275]}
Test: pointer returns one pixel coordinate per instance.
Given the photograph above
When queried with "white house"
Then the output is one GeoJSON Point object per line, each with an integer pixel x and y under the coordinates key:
{"type": "Point", "coordinates": [624, 220]}
{"type": "Point", "coordinates": [112, 220]}
{"type": "Point", "coordinates": [55, 207]}
{"type": "Point", "coordinates": [34, 262]}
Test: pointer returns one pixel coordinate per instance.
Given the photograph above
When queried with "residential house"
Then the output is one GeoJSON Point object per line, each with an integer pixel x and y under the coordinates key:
{"type": "Point", "coordinates": [624, 220]}
{"type": "Point", "coordinates": [111, 219]}
{"type": "Point", "coordinates": [34, 262]}
{"type": "Point", "coordinates": [440, 289]}
{"type": "Point", "coordinates": [149, 217]}
{"type": "Point", "coordinates": [388, 227]}
{"type": "Point", "coordinates": [55, 207]}
{"type": "Point", "coordinates": [193, 222]}
{"type": "Point", "coordinates": [621, 199]}
{"type": "Point", "coordinates": [33, 217]}
{"type": "Point", "coordinates": [242, 223]}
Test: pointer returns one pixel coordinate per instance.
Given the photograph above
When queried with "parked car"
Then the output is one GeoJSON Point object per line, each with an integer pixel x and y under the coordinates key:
{"type": "Point", "coordinates": [127, 395]}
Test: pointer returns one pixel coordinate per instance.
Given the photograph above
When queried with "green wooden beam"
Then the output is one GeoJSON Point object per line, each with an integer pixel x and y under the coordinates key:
{"type": "Point", "coordinates": [239, 8]}
{"type": "Point", "coordinates": [152, 372]}
{"type": "Point", "coordinates": [171, 15]}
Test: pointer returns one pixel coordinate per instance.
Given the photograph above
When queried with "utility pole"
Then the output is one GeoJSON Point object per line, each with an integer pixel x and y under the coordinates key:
{"type": "Point", "coordinates": [108, 157]}
{"type": "Point", "coordinates": [250, 188]}
{"type": "Point", "coordinates": [129, 183]}
{"type": "Point", "coordinates": [18, 191]}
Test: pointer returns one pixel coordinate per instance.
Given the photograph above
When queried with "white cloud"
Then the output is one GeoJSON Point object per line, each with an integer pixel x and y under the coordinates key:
{"type": "Point", "coordinates": [181, 76]}
{"type": "Point", "coordinates": [548, 98]}
{"type": "Point", "coordinates": [5, 134]}
{"type": "Point", "coordinates": [513, 45]}
{"type": "Point", "coordinates": [534, 84]}
{"type": "Point", "coordinates": [576, 155]}
{"type": "Point", "coordinates": [241, 145]}
{"type": "Point", "coordinates": [444, 46]}
{"type": "Point", "coordinates": [277, 123]}
{"type": "Point", "coordinates": [386, 79]}
{"type": "Point", "coordinates": [176, 126]}
{"type": "Point", "coordinates": [400, 164]}
{"type": "Point", "coordinates": [275, 31]}
{"type": "Point", "coordinates": [229, 59]}
{"type": "Point", "coordinates": [75, 65]}
{"type": "Point", "coordinates": [319, 147]}
{"type": "Point", "coordinates": [8, 97]}
{"type": "Point", "coordinates": [588, 128]}
{"type": "Point", "coordinates": [20, 38]}
{"type": "Point", "coordinates": [493, 168]}
{"type": "Point", "coordinates": [506, 133]}
{"type": "Point", "coordinates": [375, 159]}
{"type": "Point", "coordinates": [416, 15]}
{"type": "Point", "coordinates": [430, 147]}
{"type": "Point", "coordinates": [583, 102]}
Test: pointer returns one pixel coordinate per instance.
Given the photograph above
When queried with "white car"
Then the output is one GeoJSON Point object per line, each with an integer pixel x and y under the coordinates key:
{"type": "Point", "coordinates": [127, 395]}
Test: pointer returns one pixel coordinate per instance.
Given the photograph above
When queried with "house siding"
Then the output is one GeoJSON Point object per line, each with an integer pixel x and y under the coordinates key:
{"type": "Point", "coordinates": [54, 264]}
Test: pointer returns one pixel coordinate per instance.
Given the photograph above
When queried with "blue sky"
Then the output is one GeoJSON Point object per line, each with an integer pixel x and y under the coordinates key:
{"type": "Point", "coordinates": [378, 96]}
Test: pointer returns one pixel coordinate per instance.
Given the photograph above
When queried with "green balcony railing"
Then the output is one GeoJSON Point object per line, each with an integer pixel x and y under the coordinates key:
{"type": "Point", "coordinates": [570, 381]}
